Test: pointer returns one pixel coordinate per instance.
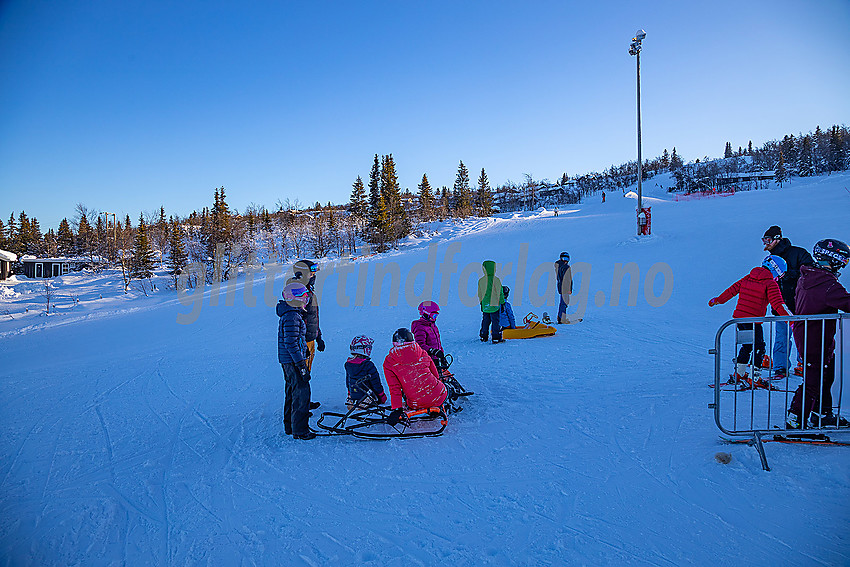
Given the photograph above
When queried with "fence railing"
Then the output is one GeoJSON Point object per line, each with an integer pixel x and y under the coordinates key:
{"type": "Point", "coordinates": [759, 404]}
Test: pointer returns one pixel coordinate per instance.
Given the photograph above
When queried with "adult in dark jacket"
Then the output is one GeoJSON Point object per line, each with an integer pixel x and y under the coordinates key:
{"type": "Point", "coordinates": [305, 273]}
{"type": "Point", "coordinates": [563, 274]}
{"type": "Point", "coordinates": [292, 355]}
{"type": "Point", "coordinates": [795, 257]}
{"type": "Point", "coordinates": [819, 292]}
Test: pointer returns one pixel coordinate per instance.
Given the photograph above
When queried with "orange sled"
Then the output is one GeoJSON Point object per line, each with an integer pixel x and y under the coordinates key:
{"type": "Point", "coordinates": [533, 328]}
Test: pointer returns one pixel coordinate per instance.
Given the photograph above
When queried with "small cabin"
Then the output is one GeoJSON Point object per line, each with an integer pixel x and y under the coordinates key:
{"type": "Point", "coordinates": [47, 267]}
{"type": "Point", "coordinates": [6, 260]}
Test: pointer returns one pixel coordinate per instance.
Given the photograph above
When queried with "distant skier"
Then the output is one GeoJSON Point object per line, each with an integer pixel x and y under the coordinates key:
{"type": "Point", "coordinates": [361, 374]}
{"type": "Point", "coordinates": [490, 297]}
{"type": "Point", "coordinates": [794, 257]}
{"type": "Point", "coordinates": [563, 274]}
{"type": "Point", "coordinates": [305, 273]}
{"type": "Point", "coordinates": [427, 334]}
{"type": "Point", "coordinates": [603, 196]}
{"type": "Point", "coordinates": [819, 292]}
{"type": "Point", "coordinates": [292, 355]}
{"type": "Point", "coordinates": [754, 291]}
{"type": "Point", "coordinates": [506, 312]}
{"type": "Point", "coordinates": [412, 376]}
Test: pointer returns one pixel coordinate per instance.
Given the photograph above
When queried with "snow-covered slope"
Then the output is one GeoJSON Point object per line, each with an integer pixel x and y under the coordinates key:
{"type": "Point", "coordinates": [133, 439]}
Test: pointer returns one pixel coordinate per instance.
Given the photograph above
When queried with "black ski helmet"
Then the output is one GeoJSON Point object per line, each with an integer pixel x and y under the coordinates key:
{"type": "Point", "coordinates": [305, 271]}
{"type": "Point", "coordinates": [565, 256]}
{"type": "Point", "coordinates": [506, 290]}
{"type": "Point", "coordinates": [831, 254]}
{"type": "Point", "coordinates": [402, 335]}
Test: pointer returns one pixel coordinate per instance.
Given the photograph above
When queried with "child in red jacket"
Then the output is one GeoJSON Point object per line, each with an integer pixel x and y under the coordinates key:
{"type": "Point", "coordinates": [755, 291]}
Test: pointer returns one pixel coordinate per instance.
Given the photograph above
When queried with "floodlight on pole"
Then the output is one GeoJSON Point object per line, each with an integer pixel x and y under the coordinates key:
{"type": "Point", "coordinates": [634, 49]}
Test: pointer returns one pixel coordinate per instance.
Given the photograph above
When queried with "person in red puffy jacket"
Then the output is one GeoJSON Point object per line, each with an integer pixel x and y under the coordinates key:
{"type": "Point", "coordinates": [755, 291]}
{"type": "Point", "coordinates": [411, 374]}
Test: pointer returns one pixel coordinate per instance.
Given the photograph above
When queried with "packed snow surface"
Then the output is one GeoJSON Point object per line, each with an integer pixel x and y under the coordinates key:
{"type": "Point", "coordinates": [130, 438]}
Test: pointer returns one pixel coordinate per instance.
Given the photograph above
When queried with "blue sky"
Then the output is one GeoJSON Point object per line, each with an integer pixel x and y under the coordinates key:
{"type": "Point", "coordinates": [126, 106]}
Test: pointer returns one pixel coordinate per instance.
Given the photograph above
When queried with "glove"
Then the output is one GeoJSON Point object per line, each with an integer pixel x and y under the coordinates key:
{"type": "Point", "coordinates": [395, 416]}
{"type": "Point", "coordinates": [320, 344]}
{"type": "Point", "coordinates": [303, 371]}
{"type": "Point", "coordinates": [712, 302]}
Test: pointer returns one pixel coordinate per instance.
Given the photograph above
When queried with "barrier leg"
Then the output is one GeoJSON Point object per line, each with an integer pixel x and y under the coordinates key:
{"type": "Point", "coordinates": [760, 448]}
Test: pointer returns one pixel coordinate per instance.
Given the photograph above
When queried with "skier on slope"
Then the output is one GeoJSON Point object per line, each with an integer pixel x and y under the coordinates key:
{"type": "Point", "coordinates": [292, 356]}
{"type": "Point", "coordinates": [819, 292]}
{"type": "Point", "coordinates": [412, 376]}
{"type": "Point", "coordinates": [754, 291]}
{"type": "Point", "coordinates": [563, 274]}
{"type": "Point", "coordinates": [794, 257]}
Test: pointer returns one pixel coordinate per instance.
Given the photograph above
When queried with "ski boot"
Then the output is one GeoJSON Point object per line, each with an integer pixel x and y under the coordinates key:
{"type": "Point", "coordinates": [828, 419]}
{"type": "Point", "coordinates": [798, 371]}
{"type": "Point", "coordinates": [793, 421]}
{"type": "Point", "coordinates": [765, 361]}
{"type": "Point", "coordinates": [545, 319]}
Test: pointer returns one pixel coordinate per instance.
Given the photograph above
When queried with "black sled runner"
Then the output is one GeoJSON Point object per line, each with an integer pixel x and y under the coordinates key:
{"type": "Point", "coordinates": [369, 420]}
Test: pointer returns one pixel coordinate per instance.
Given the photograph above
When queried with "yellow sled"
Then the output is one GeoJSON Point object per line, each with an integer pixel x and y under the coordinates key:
{"type": "Point", "coordinates": [533, 328]}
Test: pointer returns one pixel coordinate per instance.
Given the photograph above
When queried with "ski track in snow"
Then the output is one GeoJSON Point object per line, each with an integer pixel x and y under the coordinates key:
{"type": "Point", "coordinates": [130, 439]}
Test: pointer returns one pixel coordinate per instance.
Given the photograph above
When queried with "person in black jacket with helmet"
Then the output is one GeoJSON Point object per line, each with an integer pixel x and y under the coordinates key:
{"type": "Point", "coordinates": [794, 257]}
{"type": "Point", "coordinates": [305, 273]}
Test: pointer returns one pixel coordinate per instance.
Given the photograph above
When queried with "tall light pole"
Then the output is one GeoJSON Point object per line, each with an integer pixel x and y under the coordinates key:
{"type": "Point", "coordinates": [634, 49]}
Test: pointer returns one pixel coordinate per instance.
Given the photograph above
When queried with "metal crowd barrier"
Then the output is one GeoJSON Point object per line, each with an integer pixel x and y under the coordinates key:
{"type": "Point", "coordinates": [757, 411]}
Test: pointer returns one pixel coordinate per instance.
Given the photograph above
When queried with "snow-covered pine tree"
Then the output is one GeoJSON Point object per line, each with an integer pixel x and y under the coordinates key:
{"type": "Point", "coordinates": [665, 159]}
{"type": "Point", "coordinates": [727, 153]}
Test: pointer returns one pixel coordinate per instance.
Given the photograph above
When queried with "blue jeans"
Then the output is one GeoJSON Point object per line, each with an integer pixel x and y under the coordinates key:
{"type": "Point", "coordinates": [562, 307]}
{"type": "Point", "coordinates": [781, 346]}
{"type": "Point", "coordinates": [296, 404]}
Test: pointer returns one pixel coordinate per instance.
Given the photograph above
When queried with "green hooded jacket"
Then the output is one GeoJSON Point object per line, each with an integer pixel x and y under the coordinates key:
{"type": "Point", "coordinates": [490, 293]}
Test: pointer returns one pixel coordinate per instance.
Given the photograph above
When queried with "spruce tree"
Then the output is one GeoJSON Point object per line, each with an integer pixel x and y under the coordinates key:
{"type": "Point", "coordinates": [177, 258]}
{"type": "Point", "coordinates": [358, 205]}
{"type": "Point", "coordinates": [805, 158]}
{"type": "Point", "coordinates": [64, 238]}
{"type": "Point", "coordinates": [485, 195]}
{"type": "Point", "coordinates": [665, 159]}
{"type": "Point", "coordinates": [12, 232]}
{"type": "Point", "coordinates": [142, 263]}
{"type": "Point", "coordinates": [727, 153]}
{"type": "Point", "coordinates": [675, 160]}
{"type": "Point", "coordinates": [781, 174]}
{"type": "Point", "coordinates": [377, 208]}
{"type": "Point", "coordinates": [3, 240]}
{"type": "Point", "coordinates": [84, 237]}
{"type": "Point", "coordinates": [426, 199]}
{"type": "Point", "coordinates": [36, 239]}
{"type": "Point", "coordinates": [24, 234]}
{"type": "Point", "coordinates": [462, 191]}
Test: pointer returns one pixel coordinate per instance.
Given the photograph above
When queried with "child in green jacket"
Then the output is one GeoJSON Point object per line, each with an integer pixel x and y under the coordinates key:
{"type": "Point", "coordinates": [491, 297]}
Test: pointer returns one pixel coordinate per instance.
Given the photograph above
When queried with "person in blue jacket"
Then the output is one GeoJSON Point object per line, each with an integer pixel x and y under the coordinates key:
{"type": "Point", "coordinates": [506, 312]}
{"type": "Point", "coordinates": [292, 355]}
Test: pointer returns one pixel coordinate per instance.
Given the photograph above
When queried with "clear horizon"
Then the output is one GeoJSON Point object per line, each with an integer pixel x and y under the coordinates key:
{"type": "Point", "coordinates": [126, 107]}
